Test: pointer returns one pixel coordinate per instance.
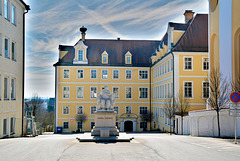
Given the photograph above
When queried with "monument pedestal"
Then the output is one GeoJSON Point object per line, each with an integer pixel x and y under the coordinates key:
{"type": "Point", "coordinates": [105, 124]}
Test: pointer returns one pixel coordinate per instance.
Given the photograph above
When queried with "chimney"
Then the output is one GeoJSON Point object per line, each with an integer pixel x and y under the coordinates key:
{"type": "Point", "coordinates": [83, 30]}
{"type": "Point", "coordinates": [188, 15]}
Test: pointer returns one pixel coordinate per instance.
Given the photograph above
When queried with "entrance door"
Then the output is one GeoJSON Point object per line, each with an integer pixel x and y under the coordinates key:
{"type": "Point", "coordinates": [128, 126]}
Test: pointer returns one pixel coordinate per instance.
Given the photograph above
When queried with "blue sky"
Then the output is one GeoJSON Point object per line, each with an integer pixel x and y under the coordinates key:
{"type": "Point", "coordinates": [54, 22]}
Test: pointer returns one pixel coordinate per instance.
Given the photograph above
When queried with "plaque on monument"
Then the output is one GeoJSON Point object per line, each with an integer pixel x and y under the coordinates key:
{"type": "Point", "coordinates": [105, 117]}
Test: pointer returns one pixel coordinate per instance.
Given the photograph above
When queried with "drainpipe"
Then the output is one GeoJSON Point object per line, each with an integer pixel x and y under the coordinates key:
{"type": "Point", "coordinates": [27, 9]}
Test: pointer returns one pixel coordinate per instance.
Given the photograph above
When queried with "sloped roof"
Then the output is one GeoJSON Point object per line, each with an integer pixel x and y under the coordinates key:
{"type": "Point", "coordinates": [195, 39]}
{"type": "Point", "coordinates": [141, 51]}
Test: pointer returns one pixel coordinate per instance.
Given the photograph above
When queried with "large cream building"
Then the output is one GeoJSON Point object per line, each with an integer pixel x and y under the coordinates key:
{"type": "Point", "coordinates": [142, 75]}
{"type": "Point", "coordinates": [11, 66]}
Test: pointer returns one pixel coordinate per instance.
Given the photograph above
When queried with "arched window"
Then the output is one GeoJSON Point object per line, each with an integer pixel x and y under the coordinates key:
{"type": "Point", "coordinates": [128, 58]}
{"type": "Point", "coordinates": [104, 57]}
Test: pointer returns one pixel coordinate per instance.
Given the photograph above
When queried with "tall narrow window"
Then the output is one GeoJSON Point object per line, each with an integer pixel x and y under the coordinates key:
{"type": "Point", "coordinates": [80, 55]}
{"type": "Point", "coordinates": [188, 63]}
{"type": "Point", "coordinates": [12, 126]}
{"type": "Point", "coordinates": [65, 110]}
{"type": "Point", "coordinates": [66, 73]}
{"type": "Point", "coordinates": [0, 87]}
{"type": "Point", "coordinates": [128, 92]}
{"type": "Point", "coordinates": [205, 89]}
{"type": "Point", "coordinates": [0, 42]}
{"type": "Point", "coordinates": [79, 110]}
{"type": "Point", "coordinates": [13, 15]}
{"type": "Point", "coordinates": [79, 92]}
{"type": "Point", "coordinates": [80, 73]}
{"type": "Point", "coordinates": [93, 74]}
{"type": "Point", "coordinates": [128, 74]}
{"type": "Point", "coordinates": [13, 89]}
{"type": "Point", "coordinates": [168, 66]}
{"type": "Point", "coordinates": [7, 48]}
{"type": "Point", "coordinates": [6, 89]}
{"type": "Point", "coordinates": [0, 7]}
{"type": "Point", "coordinates": [116, 92]}
{"type": "Point", "coordinates": [93, 92]}
{"type": "Point", "coordinates": [6, 9]}
{"type": "Point", "coordinates": [172, 64]}
{"type": "Point", "coordinates": [92, 125]}
{"type": "Point", "coordinates": [93, 109]}
{"type": "Point", "coordinates": [128, 58]}
{"type": "Point", "coordinates": [66, 92]}
{"type": "Point", "coordinates": [13, 51]}
{"type": "Point", "coordinates": [188, 90]}
{"type": "Point", "coordinates": [116, 109]}
{"type": "Point", "coordinates": [104, 57]}
{"type": "Point", "coordinates": [205, 64]}
{"type": "Point", "coordinates": [115, 74]}
{"type": "Point", "coordinates": [4, 126]}
{"type": "Point", "coordinates": [104, 74]}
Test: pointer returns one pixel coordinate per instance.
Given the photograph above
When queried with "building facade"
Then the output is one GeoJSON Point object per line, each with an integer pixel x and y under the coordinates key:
{"type": "Point", "coordinates": [11, 66]}
{"type": "Point", "coordinates": [142, 74]}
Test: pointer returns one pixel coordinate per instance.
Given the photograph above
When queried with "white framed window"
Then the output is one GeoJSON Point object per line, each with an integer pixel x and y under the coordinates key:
{"type": "Point", "coordinates": [143, 110]}
{"type": "Point", "coordinates": [116, 92]}
{"type": "Point", "coordinates": [160, 91]}
{"type": "Point", "coordinates": [143, 125]}
{"type": "Point", "coordinates": [128, 91]}
{"type": "Point", "coordinates": [66, 73]}
{"type": "Point", "coordinates": [80, 73]}
{"type": "Point", "coordinates": [104, 59]}
{"type": "Point", "coordinates": [160, 70]}
{"type": "Point", "coordinates": [80, 92]}
{"type": "Point", "coordinates": [65, 125]}
{"type": "Point", "coordinates": [93, 73]}
{"type": "Point", "coordinates": [92, 124]}
{"type": "Point", "coordinates": [13, 89]}
{"type": "Point", "coordinates": [143, 92]}
{"type": "Point", "coordinates": [168, 65]}
{"type": "Point", "coordinates": [188, 89]}
{"type": "Point", "coordinates": [66, 110]}
{"type": "Point", "coordinates": [80, 55]}
{"type": "Point", "coordinates": [79, 125]}
{"type": "Point", "coordinates": [6, 88]}
{"type": "Point", "coordinates": [115, 74]}
{"type": "Point", "coordinates": [157, 72]}
{"type": "Point", "coordinates": [93, 92]}
{"type": "Point", "coordinates": [5, 127]}
{"type": "Point", "coordinates": [0, 40]}
{"type": "Point", "coordinates": [0, 87]}
{"type": "Point", "coordinates": [165, 67]}
{"type": "Point", "coordinates": [13, 18]}
{"type": "Point", "coordinates": [205, 89]}
{"type": "Point", "coordinates": [128, 60]}
{"type": "Point", "coordinates": [128, 74]}
{"type": "Point", "coordinates": [12, 125]}
{"type": "Point", "coordinates": [66, 92]}
{"type": "Point", "coordinates": [93, 109]}
{"type": "Point", "coordinates": [128, 109]}
{"type": "Point", "coordinates": [172, 64]}
{"type": "Point", "coordinates": [1, 10]}
{"type": "Point", "coordinates": [7, 9]}
{"type": "Point", "coordinates": [7, 55]}
{"type": "Point", "coordinates": [165, 94]}
{"type": "Point", "coordinates": [14, 51]}
{"type": "Point", "coordinates": [205, 64]}
{"type": "Point", "coordinates": [143, 74]}
{"type": "Point", "coordinates": [168, 95]}
{"type": "Point", "coordinates": [116, 108]}
{"type": "Point", "coordinates": [79, 110]}
{"type": "Point", "coordinates": [172, 90]}
{"type": "Point", "coordinates": [104, 74]}
{"type": "Point", "coordinates": [188, 63]}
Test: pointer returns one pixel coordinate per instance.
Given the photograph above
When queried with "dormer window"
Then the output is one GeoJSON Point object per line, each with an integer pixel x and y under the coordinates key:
{"type": "Point", "coordinates": [104, 57]}
{"type": "Point", "coordinates": [80, 55]}
{"type": "Point", "coordinates": [128, 58]}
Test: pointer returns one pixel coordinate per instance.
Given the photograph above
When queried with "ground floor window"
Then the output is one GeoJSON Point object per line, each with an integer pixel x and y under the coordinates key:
{"type": "Point", "coordinates": [143, 125]}
{"type": "Point", "coordinates": [4, 126]}
{"type": "Point", "coordinates": [79, 125]}
{"type": "Point", "coordinates": [92, 125]}
{"type": "Point", "coordinates": [12, 125]}
{"type": "Point", "coordinates": [65, 125]}
{"type": "Point", "coordinates": [117, 124]}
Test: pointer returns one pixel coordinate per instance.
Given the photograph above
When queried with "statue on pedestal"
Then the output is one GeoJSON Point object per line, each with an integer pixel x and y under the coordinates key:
{"type": "Point", "coordinates": [105, 99]}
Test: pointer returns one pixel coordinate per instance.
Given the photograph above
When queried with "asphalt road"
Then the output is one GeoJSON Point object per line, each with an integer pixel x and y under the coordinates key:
{"type": "Point", "coordinates": [147, 147]}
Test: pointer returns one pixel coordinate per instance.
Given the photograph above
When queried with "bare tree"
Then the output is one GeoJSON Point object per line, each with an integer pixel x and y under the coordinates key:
{"type": "Point", "coordinates": [170, 110]}
{"type": "Point", "coordinates": [35, 103]}
{"type": "Point", "coordinates": [182, 106]}
{"type": "Point", "coordinates": [146, 117]}
{"type": "Point", "coordinates": [81, 118]}
{"type": "Point", "coordinates": [219, 94]}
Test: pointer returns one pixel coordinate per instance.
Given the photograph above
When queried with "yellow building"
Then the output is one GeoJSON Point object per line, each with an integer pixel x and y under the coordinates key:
{"type": "Point", "coordinates": [83, 70]}
{"type": "Point", "coordinates": [180, 68]}
{"type": "Point", "coordinates": [140, 80]}
{"type": "Point", "coordinates": [11, 66]}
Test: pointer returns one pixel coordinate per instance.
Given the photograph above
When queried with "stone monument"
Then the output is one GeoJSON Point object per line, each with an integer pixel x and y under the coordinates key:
{"type": "Point", "coordinates": [105, 117]}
